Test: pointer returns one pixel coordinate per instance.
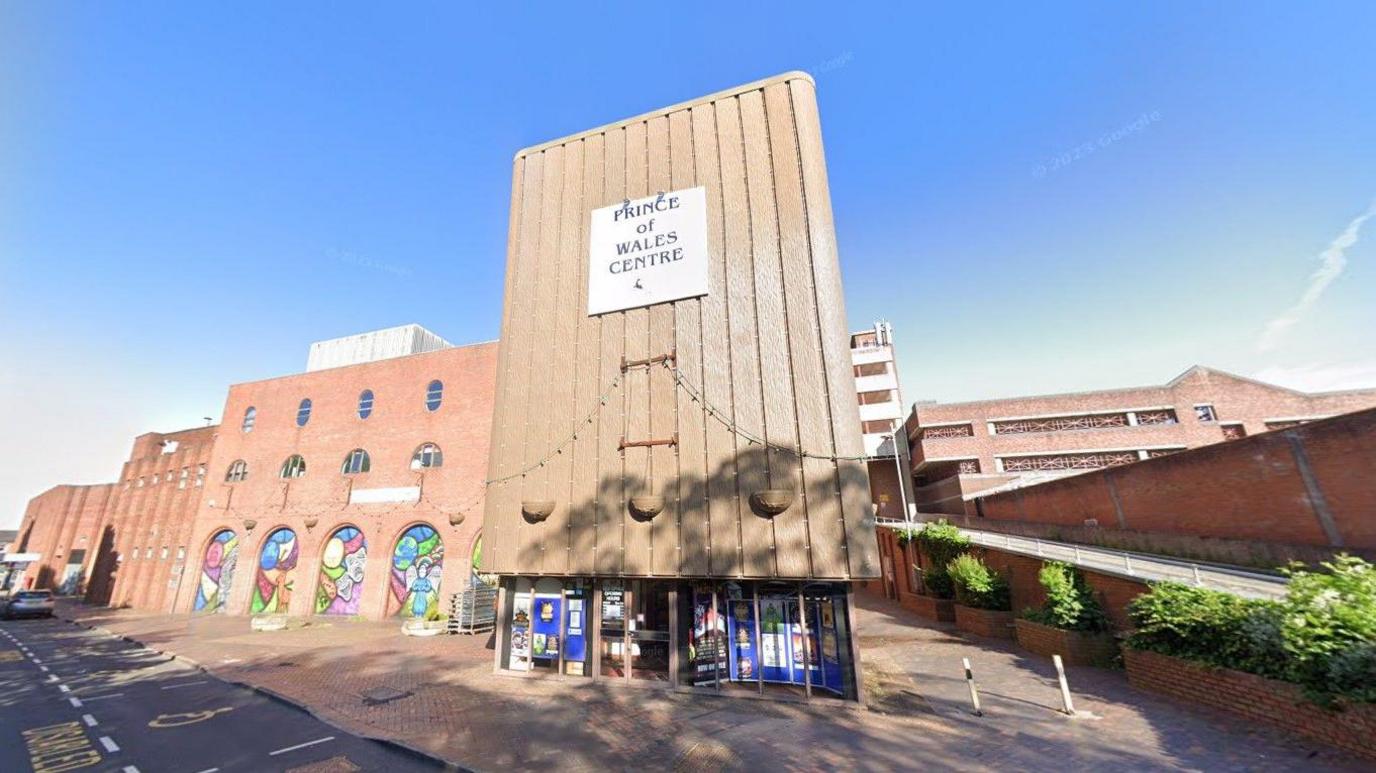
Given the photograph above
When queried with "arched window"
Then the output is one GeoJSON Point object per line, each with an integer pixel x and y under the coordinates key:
{"type": "Point", "coordinates": [428, 455]}
{"type": "Point", "coordinates": [217, 570]}
{"type": "Point", "coordinates": [237, 471]}
{"type": "Point", "coordinates": [417, 566]}
{"type": "Point", "coordinates": [303, 412]}
{"type": "Point", "coordinates": [273, 581]}
{"type": "Point", "coordinates": [434, 395]}
{"type": "Point", "coordinates": [365, 404]}
{"type": "Point", "coordinates": [250, 416]}
{"type": "Point", "coordinates": [293, 467]}
{"type": "Point", "coordinates": [340, 590]}
{"type": "Point", "coordinates": [357, 461]}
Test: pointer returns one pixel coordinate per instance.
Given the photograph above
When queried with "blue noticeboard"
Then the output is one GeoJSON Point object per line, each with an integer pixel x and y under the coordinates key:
{"type": "Point", "coordinates": [545, 621]}
{"type": "Point", "coordinates": [575, 637]}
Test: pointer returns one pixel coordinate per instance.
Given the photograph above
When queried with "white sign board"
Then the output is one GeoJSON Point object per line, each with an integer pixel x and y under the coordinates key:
{"type": "Point", "coordinates": [377, 496]}
{"type": "Point", "coordinates": [647, 251]}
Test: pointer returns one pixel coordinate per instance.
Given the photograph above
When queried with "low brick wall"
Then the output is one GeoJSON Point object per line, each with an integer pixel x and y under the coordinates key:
{"type": "Point", "coordinates": [1076, 648]}
{"type": "Point", "coordinates": [930, 607]}
{"type": "Point", "coordinates": [1256, 698]}
{"type": "Point", "coordinates": [985, 622]}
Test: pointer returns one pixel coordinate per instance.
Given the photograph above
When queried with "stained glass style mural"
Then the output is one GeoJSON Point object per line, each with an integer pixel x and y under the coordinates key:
{"type": "Point", "coordinates": [341, 573]}
{"type": "Point", "coordinates": [417, 562]}
{"type": "Point", "coordinates": [217, 572]}
{"type": "Point", "coordinates": [276, 569]}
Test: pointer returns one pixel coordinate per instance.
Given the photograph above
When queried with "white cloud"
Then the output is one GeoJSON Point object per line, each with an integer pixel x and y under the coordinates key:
{"type": "Point", "coordinates": [1332, 261]}
{"type": "Point", "coordinates": [1321, 377]}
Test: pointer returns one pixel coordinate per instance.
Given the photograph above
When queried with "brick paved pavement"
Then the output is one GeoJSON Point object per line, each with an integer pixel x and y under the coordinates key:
{"type": "Point", "coordinates": [453, 706]}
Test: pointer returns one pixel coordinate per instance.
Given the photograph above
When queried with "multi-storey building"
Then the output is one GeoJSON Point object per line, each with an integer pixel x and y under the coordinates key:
{"type": "Point", "coordinates": [880, 397]}
{"type": "Point", "coordinates": [877, 387]}
{"type": "Point", "coordinates": [57, 540]}
{"type": "Point", "coordinates": [350, 490]}
{"type": "Point", "coordinates": [345, 486]}
{"type": "Point", "coordinates": [141, 535]}
{"type": "Point", "coordinates": [960, 450]}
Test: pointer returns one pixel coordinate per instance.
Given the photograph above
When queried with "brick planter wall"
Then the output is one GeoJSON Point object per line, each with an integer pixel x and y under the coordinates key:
{"type": "Point", "coordinates": [1256, 698]}
{"type": "Point", "coordinates": [985, 622]}
{"type": "Point", "coordinates": [1076, 648]}
{"type": "Point", "coordinates": [930, 607]}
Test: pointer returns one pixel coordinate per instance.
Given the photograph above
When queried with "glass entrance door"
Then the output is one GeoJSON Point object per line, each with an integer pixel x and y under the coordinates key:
{"type": "Point", "coordinates": [613, 629]}
{"type": "Point", "coordinates": [649, 630]}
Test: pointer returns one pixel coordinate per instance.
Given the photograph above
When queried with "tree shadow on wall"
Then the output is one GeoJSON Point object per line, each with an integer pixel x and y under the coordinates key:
{"type": "Point", "coordinates": [103, 570]}
{"type": "Point", "coordinates": [691, 505]}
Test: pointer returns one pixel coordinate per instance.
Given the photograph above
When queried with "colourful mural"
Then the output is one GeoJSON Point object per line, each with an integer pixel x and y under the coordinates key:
{"type": "Point", "coordinates": [417, 562]}
{"type": "Point", "coordinates": [276, 567]}
{"type": "Point", "coordinates": [217, 572]}
{"type": "Point", "coordinates": [341, 573]}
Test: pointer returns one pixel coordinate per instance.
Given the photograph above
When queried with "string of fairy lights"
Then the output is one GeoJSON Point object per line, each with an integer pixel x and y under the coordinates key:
{"type": "Point", "coordinates": [724, 419]}
{"type": "Point", "coordinates": [681, 383]}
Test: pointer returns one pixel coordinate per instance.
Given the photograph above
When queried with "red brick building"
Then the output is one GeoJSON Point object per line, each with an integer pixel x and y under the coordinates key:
{"type": "Point", "coordinates": [354, 490]}
{"type": "Point", "coordinates": [144, 528]}
{"type": "Point", "coordinates": [962, 449]}
{"type": "Point", "coordinates": [61, 527]}
{"type": "Point", "coordinates": [335, 470]}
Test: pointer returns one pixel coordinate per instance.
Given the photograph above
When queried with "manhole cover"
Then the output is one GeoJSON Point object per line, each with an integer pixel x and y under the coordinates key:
{"type": "Point", "coordinates": [380, 695]}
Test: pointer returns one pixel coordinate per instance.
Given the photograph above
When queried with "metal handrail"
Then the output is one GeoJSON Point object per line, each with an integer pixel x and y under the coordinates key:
{"type": "Point", "coordinates": [1134, 565]}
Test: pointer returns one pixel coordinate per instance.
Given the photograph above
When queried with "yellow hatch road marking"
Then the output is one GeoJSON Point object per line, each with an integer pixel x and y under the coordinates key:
{"type": "Point", "coordinates": [189, 718]}
{"type": "Point", "coordinates": [9, 656]}
{"type": "Point", "coordinates": [58, 748]}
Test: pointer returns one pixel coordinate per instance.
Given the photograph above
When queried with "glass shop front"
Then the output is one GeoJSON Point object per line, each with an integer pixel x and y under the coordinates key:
{"type": "Point", "coordinates": [770, 638]}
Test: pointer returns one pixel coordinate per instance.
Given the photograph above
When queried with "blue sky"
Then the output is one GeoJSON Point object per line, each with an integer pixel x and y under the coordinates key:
{"type": "Point", "coordinates": [193, 193]}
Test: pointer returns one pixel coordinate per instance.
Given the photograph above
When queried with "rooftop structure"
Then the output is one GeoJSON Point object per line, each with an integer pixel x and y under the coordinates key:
{"type": "Point", "coordinates": [371, 347]}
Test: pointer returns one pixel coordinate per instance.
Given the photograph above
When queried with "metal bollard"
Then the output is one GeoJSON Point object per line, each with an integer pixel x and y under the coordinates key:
{"type": "Point", "coordinates": [1065, 686]}
{"type": "Point", "coordinates": [974, 692]}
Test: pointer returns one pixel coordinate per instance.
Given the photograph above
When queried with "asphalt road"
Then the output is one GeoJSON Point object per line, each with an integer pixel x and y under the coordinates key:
{"type": "Point", "coordinates": [75, 699]}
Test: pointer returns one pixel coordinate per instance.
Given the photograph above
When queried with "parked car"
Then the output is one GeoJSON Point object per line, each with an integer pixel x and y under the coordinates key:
{"type": "Point", "coordinates": [29, 603]}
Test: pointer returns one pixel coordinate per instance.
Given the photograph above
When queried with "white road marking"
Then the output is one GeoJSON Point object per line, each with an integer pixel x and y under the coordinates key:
{"type": "Point", "coordinates": [110, 746]}
{"type": "Point", "coordinates": [184, 684]}
{"type": "Point", "coordinates": [209, 770]}
{"type": "Point", "coordinates": [301, 746]}
{"type": "Point", "coordinates": [64, 688]}
{"type": "Point", "coordinates": [89, 720]}
{"type": "Point", "coordinates": [34, 659]}
{"type": "Point", "coordinates": [44, 669]}
{"type": "Point", "coordinates": [103, 697]}
{"type": "Point", "coordinates": [130, 769]}
{"type": "Point", "coordinates": [76, 702]}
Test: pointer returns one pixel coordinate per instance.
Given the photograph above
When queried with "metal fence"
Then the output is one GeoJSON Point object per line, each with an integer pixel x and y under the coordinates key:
{"type": "Point", "coordinates": [1137, 566]}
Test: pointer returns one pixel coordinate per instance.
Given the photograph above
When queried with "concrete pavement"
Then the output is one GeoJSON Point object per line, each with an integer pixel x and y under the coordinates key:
{"type": "Point", "coordinates": [73, 698]}
{"type": "Point", "coordinates": [440, 695]}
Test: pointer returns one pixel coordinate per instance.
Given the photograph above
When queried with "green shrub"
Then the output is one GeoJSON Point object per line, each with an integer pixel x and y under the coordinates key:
{"type": "Point", "coordinates": [940, 542]}
{"type": "Point", "coordinates": [977, 585]}
{"type": "Point", "coordinates": [1327, 626]}
{"type": "Point", "coordinates": [1321, 635]}
{"type": "Point", "coordinates": [907, 534]}
{"type": "Point", "coordinates": [1070, 604]}
{"type": "Point", "coordinates": [939, 584]}
{"type": "Point", "coordinates": [1208, 626]}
